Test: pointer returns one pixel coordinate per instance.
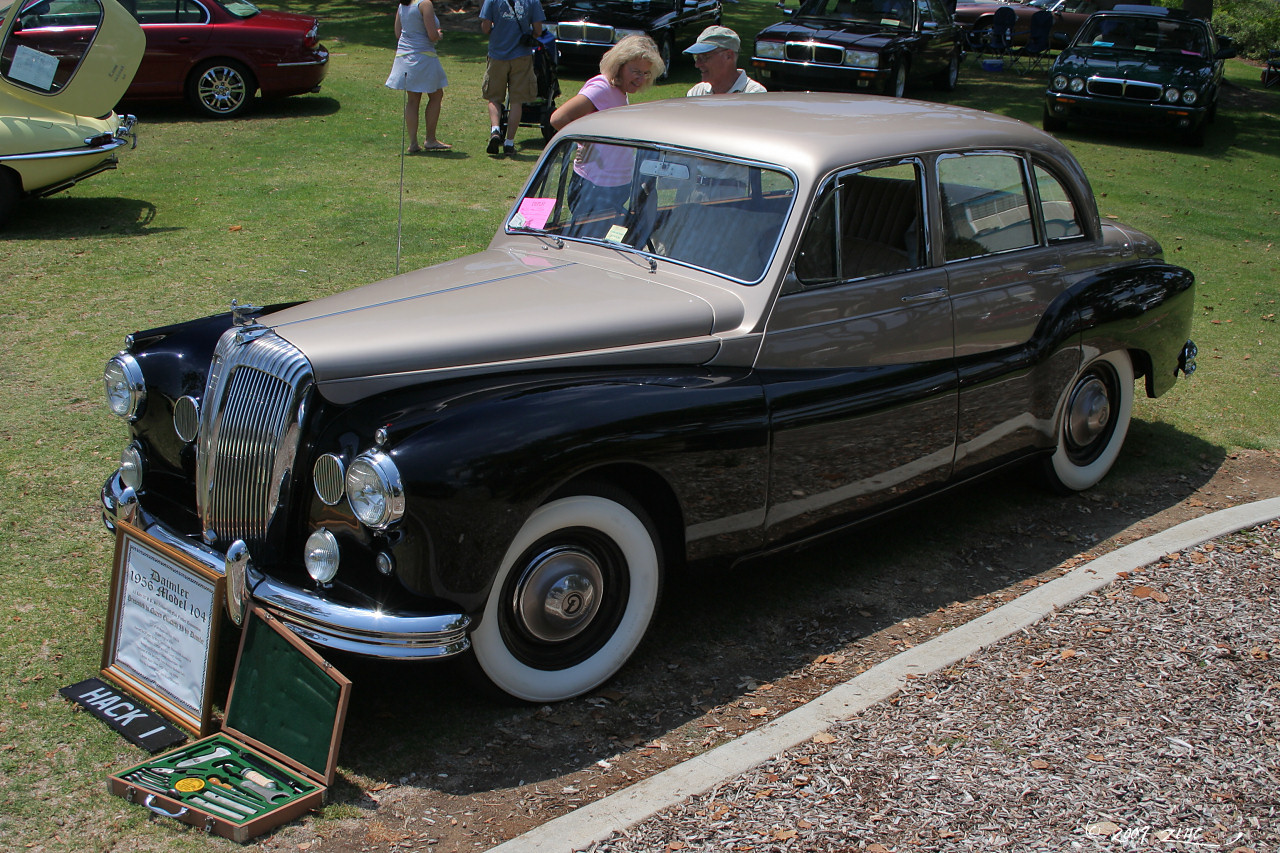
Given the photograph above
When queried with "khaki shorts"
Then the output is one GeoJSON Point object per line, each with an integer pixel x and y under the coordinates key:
{"type": "Point", "coordinates": [510, 75]}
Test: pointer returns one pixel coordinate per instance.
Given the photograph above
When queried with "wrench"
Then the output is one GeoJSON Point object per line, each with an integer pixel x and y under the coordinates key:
{"type": "Point", "coordinates": [219, 752]}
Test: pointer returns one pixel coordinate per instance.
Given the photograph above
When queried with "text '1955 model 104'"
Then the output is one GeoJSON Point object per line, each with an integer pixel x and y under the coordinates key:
{"type": "Point", "coordinates": [676, 349]}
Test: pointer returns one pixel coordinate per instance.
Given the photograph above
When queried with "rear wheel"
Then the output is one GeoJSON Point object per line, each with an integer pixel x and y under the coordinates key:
{"type": "Point", "coordinates": [222, 88]}
{"type": "Point", "coordinates": [575, 594]}
{"type": "Point", "coordinates": [1093, 423]}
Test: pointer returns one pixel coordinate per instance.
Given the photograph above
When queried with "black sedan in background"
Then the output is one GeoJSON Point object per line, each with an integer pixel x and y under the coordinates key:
{"type": "Point", "coordinates": [860, 46]}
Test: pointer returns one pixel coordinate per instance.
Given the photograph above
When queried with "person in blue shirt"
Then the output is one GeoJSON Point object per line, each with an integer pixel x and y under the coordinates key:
{"type": "Point", "coordinates": [512, 27]}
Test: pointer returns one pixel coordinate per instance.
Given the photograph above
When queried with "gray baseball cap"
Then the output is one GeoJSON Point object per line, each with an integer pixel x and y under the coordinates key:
{"type": "Point", "coordinates": [713, 38]}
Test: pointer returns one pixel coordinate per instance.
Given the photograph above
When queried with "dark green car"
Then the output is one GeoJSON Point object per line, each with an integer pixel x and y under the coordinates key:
{"type": "Point", "coordinates": [1139, 66]}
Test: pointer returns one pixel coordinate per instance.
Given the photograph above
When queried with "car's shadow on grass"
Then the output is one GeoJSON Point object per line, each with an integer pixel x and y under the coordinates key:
{"type": "Point", "coordinates": [176, 112]}
{"type": "Point", "coordinates": [69, 216]}
{"type": "Point", "coordinates": [795, 623]}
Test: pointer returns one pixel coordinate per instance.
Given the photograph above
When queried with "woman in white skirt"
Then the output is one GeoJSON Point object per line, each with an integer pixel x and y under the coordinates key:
{"type": "Point", "coordinates": [417, 70]}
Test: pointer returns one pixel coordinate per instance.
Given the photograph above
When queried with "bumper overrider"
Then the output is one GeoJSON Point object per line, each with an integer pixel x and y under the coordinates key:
{"type": "Point", "coordinates": [396, 635]}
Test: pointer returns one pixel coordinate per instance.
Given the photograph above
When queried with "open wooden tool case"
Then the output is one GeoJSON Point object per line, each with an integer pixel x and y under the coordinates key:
{"type": "Point", "coordinates": [275, 756]}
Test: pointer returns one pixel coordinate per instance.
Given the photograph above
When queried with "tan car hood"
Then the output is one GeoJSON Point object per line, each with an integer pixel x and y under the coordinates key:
{"type": "Point", "coordinates": [486, 312]}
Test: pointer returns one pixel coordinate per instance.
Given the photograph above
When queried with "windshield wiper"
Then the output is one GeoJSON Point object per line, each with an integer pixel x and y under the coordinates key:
{"type": "Point", "coordinates": [552, 239]}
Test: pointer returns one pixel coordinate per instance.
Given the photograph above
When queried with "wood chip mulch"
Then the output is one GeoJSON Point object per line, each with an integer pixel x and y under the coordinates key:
{"type": "Point", "coordinates": [1144, 717]}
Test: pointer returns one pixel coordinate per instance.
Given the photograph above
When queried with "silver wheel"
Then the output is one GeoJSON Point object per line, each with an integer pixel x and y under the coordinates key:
{"type": "Point", "coordinates": [221, 89]}
{"type": "Point", "coordinates": [1093, 423]}
{"type": "Point", "coordinates": [897, 85]}
{"type": "Point", "coordinates": [948, 78]}
{"type": "Point", "coordinates": [575, 594]}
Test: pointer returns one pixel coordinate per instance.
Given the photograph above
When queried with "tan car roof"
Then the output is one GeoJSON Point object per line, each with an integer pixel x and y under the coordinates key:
{"type": "Point", "coordinates": [813, 133]}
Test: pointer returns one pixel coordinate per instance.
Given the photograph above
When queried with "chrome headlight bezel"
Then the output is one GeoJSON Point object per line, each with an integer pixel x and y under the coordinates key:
{"type": "Point", "coordinates": [862, 58]}
{"type": "Point", "coordinates": [375, 490]}
{"type": "Point", "coordinates": [1060, 82]}
{"type": "Point", "coordinates": [771, 50]}
{"type": "Point", "coordinates": [1076, 85]}
{"type": "Point", "coordinates": [125, 386]}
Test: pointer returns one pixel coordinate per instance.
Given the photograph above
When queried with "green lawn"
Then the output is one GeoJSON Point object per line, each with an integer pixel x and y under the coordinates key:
{"type": "Point", "coordinates": [309, 196]}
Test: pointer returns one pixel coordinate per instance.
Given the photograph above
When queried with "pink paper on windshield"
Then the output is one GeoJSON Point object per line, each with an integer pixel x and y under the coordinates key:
{"type": "Point", "coordinates": [534, 211]}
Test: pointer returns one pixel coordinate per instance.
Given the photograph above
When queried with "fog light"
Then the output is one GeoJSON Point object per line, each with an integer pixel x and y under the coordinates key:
{"type": "Point", "coordinates": [322, 556]}
{"type": "Point", "coordinates": [131, 466]}
{"type": "Point", "coordinates": [386, 563]}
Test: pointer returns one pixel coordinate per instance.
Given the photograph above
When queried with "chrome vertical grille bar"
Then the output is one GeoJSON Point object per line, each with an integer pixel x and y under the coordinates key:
{"type": "Point", "coordinates": [249, 433]}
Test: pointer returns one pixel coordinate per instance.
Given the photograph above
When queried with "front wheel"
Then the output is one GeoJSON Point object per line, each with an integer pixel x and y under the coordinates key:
{"type": "Point", "coordinates": [896, 86]}
{"type": "Point", "coordinates": [575, 594]}
{"type": "Point", "coordinates": [221, 88]}
{"type": "Point", "coordinates": [948, 77]}
{"type": "Point", "coordinates": [1093, 424]}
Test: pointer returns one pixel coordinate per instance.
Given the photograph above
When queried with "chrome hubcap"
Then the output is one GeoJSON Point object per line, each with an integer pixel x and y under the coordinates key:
{"type": "Point", "coordinates": [558, 594]}
{"type": "Point", "coordinates": [1090, 412]}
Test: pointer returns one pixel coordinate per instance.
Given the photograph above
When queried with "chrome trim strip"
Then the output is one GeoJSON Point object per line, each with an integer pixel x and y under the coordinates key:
{"type": "Point", "coordinates": [395, 635]}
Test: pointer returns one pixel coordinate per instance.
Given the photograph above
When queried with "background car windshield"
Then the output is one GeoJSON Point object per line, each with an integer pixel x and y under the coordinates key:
{"type": "Point", "coordinates": [717, 215]}
{"type": "Point", "coordinates": [877, 11]}
{"type": "Point", "coordinates": [241, 8]}
{"type": "Point", "coordinates": [1145, 34]}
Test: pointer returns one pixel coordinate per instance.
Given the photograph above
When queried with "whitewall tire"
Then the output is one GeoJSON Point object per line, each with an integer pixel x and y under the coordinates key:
{"type": "Point", "coordinates": [1093, 423]}
{"type": "Point", "coordinates": [574, 596]}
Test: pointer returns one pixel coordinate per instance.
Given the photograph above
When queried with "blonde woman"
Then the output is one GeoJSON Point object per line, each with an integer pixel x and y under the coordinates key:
{"type": "Point", "coordinates": [601, 179]}
{"type": "Point", "coordinates": [417, 71]}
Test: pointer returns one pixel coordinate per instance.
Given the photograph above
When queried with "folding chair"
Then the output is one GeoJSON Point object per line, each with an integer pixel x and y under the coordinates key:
{"type": "Point", "coordinates": [1271, 74]}
{"type": "Point", "coordinates": [1000, 36]}
{"type": "Point", "coordinates": [1039, 37]}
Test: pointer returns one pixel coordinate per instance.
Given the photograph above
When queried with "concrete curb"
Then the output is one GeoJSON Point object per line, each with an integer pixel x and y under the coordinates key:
{"type": "Point", "coordinates": [600, 819]}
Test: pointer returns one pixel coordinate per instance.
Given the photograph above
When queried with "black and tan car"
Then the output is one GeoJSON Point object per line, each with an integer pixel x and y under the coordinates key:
{"type": "Point", "coordinates": [787, 315]}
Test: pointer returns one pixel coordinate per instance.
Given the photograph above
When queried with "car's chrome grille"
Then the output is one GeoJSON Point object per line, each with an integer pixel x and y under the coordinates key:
{"type": "Point", "coordinates": [249, 429]}
{"type": "Point", "coordinates": [1132, 90]}
{"type": "Point", "coordinates": [810, 51]}
{"type": "Point", "coordinates": [584, 32]}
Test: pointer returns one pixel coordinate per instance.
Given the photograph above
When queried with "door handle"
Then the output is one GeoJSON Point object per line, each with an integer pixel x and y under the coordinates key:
{"type": "Point", "coordinates": [927, 296]}
{"type": "Point", "coordinates": [1052, 269]}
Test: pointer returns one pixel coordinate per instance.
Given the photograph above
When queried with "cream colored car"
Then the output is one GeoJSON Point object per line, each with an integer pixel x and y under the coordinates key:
{"type": "Point", "coordinates": [57, 124]}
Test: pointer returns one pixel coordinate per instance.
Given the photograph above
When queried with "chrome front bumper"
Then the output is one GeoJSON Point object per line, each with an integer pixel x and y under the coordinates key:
{"type": "Point", "coordinates": [381, 634]}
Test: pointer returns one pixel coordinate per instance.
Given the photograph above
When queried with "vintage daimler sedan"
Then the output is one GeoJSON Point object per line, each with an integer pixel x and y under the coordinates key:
{"type": "Point", "coordinates": [709, 327]}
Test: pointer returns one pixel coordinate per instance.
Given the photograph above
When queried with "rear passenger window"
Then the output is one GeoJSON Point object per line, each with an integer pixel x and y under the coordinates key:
{"type": "Point", "coordinates": [866, 223]}
{"type": "Point", "coordinates": [1060, 219]}
{"type": "Point", "coordinates": [985, 205]}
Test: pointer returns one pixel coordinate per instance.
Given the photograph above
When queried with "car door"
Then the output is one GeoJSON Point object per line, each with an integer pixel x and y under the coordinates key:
{"type": "Point", "coordinates": [937, 37]}
{"type": "Point", "coordinates": [177, 32]}
{"type": "Point", "coordinates": [1005, 222]}
{"type": "Point", "coordinates": [77, 56]}
{"type": "Point", "coordinates": [857, 362]}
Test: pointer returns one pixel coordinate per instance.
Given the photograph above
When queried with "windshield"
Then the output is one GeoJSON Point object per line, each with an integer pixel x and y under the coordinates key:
{"type": "Point", "coordinates": [1145, 34]}
{"type": "Point", "coordinates": [886, 12]}
{"type": "Point", "coordinates": [710, 213]}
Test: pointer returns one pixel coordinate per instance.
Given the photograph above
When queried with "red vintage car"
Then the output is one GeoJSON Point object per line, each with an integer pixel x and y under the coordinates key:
{"type": "Point", "coordinates": [976, 17]}
{"type": "Point", "coordinates": [215, 54]}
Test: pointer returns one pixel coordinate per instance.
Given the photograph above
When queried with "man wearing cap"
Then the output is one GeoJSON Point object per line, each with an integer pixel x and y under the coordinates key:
{"type": "Point", "coordinates": [716, 55]}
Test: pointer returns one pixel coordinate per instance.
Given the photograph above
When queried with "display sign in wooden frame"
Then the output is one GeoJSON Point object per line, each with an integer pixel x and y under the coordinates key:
{"type": "Point", "coordinates": [162, 628]}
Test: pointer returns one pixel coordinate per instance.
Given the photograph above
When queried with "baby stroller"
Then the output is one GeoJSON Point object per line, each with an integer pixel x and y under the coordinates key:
{"type": "Point", "coordinates": [537, 113]}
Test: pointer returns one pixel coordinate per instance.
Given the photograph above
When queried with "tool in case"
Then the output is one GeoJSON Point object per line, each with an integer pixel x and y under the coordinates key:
{"type": "Point", "coordinates": [276, 755]}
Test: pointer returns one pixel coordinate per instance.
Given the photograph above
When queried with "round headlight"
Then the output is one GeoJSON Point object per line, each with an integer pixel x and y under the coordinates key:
{"type": "Point", "coordinates": [322, 556]}
{"type": "Point", "coordinates": [1060, 82]}
{"type": "Point", "coordinates": [374, 489]}
{"type": "Point", "coordinates": [126, 390]}
{"type": "Point", "coordinates": [1171, 96]}
{"type": "Point", "coordinates": [769, 49]}
{"type": "Point", "coordinates": [132, 466]}
{"type": "Point", "coordinates": [1076, 84]}
{"type": "Point", "coordinates": [1189, 97]}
